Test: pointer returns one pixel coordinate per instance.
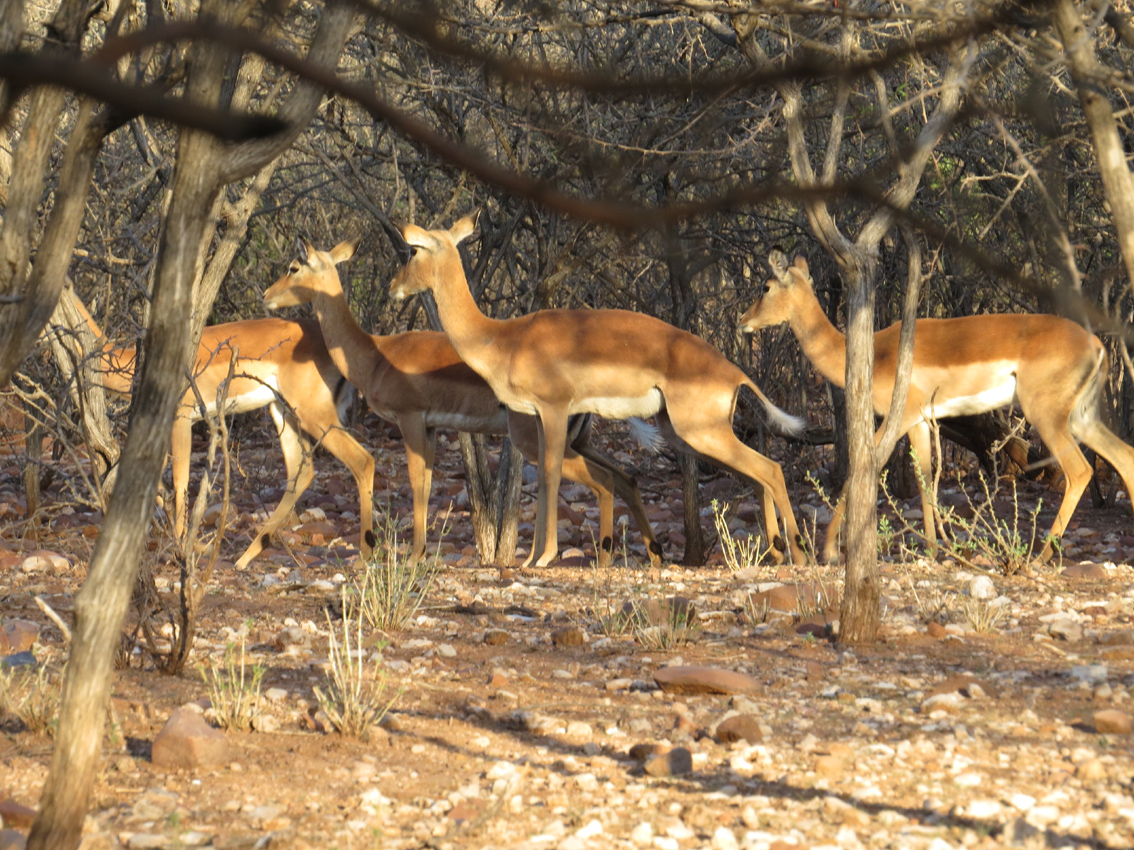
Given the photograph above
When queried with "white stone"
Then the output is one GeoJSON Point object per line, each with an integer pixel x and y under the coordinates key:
{"type": "Point", "coordinates": [968, 780]}
{"type": "Point", "coordinates": [642, 834]}
{"type": "Point", "coordinates": [982, 587]}
{"type": "Point", "coordinates": [591, 829]}
{"type": "Point", "coordinates": [983, 809]}
{"type": "Point", "coordinates": [723, 839]}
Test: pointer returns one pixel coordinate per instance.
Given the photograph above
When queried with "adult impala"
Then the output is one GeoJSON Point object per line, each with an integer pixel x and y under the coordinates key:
{"type": "Point", "coordinates": [1051, 366]}
{"type": "Point", "coordinates": [417, 381]}
{"type": "Point", "coordinates": [615, 363]}
{"type": "Point", "coordinates": [282, 365]}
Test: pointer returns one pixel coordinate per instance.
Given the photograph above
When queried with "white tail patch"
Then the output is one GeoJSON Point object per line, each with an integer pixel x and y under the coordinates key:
{"type": "Point", "coordinates": [783, 421]}
{"type": "Point", "coordinates": [647, 434]}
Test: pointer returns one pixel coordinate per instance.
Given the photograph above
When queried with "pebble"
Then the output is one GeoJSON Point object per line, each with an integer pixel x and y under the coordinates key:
{"type": "Point", "coordinates": [739, 727]}
{"type": "Point", "coordinates": [1113, 722]}
{"type": "Point", "coordinates": [981, 587]}
{"type": "Point", "coordinates": [704, 680]}
{"type": "Point", "coordinates": [675, 762]}
{"type": "Point", "coordinates": [187, 741]}
{"type": "Point", "coordinates": [569, 636]}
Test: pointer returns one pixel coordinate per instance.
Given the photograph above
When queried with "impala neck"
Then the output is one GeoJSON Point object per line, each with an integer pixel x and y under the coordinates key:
{"type": "Point", "coordinates": [352, 349]}
{"type": "Point", "coordinates": [821, 341]}
{"type": "Point", "coordinates": [471, 333]}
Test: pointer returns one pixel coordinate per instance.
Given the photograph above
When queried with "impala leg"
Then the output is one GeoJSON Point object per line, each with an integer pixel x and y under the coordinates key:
{"type": "Point", "coordinates": [601, 481]}
{"type": "Point", "coordinates": [831, 542]}
{"type": "Point", "coordinates": [921, 443]}
{"type": "Point", "coordinates": [552, 440]}
{"type": "Point", "coordinates": [416, 437]}
{"type": "Point", "coordinates": [360, 462]}
{"type": "Point", "coordinates": [722, 447]}
{"type": "Point", "coordinates": [626, 488]}
{"type": "Point", "coordinates": [300, 472]}
{"type": "Point", "coordinates": [180, 449]}
{"type": "Point", "coordinates": [1076, 472]}
{"type": "Point", "coordinates": [1117, 453]}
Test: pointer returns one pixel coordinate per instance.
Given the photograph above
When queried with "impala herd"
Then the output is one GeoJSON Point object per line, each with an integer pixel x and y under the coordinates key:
{"type": "Point", "coordinates": [540, 377]}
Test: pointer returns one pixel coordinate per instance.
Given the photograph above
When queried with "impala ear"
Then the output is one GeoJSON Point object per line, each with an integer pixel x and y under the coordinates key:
{"type": "Point", "coordinates": [344, 250]}
{"type": "Point", "coordinates": [464, 228]}
{"type": "Point", "coordinates": [304, 248]}
{"type": "Point", "coordinates": [417, 237]}
{"type": "Point", "coordinates": [801, 265]}
{"type": "Point", "coordinates": [777, 259]}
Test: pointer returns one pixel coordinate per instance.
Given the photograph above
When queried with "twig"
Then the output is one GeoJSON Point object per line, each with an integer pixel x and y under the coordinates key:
{"type": "Point", "coordinates": [54, 617]}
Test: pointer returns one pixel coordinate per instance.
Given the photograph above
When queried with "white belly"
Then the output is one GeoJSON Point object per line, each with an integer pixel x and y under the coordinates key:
{"type": "Point", "coordinates": [997, 395]}
{"type": "Point", "coordinates": [261, 396]}
{"type": "Point", "coordinates": [621, 407]}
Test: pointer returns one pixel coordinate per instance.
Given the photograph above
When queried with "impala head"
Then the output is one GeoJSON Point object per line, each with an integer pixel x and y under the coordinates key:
{"type": "Point", "coordinates": [777, 305]}
{"type": "Point", "coordinates": [312, 272]}
{"type": "Point", "coordinates": [434, 257]}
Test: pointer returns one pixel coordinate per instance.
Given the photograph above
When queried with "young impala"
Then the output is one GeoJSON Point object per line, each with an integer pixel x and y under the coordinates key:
{"type": "Point", "coordinates": [615, 363]}
{"type": "Point", "coordinates": [283, 365]}
{"type": "Point", "coordinates": [1050, 366]}
{"type": "Point", "coordinates": [417, 381]}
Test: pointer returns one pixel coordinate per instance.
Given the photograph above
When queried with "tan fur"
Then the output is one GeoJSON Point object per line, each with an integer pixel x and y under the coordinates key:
{"type": "Point", "coordinates": [557, 362]}
{"type": "Point", "coordinates": [285, 355]}
{"type": "Point", "coordinates": [1049, 365]}
{"type": "Point", "coordinates": [417, 381]}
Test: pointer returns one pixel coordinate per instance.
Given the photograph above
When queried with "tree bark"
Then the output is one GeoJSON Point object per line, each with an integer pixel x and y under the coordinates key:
{"type": "Point", "coordinates": [101, 604]}
{"type": "Point", "coordinates": [1087, 74]}
{"type": "Point", "coordinates": [22, 321]}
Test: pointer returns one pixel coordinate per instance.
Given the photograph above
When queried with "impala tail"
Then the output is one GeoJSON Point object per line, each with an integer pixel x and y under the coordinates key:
{"type": "Point", "coordinates": [781, 420]}
{"type": "Point", "coordinates": [646, 434]}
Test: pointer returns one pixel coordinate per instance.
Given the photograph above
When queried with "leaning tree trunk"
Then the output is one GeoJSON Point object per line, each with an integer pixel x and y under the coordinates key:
{"type": "Point", "coordinates": [203, 167]}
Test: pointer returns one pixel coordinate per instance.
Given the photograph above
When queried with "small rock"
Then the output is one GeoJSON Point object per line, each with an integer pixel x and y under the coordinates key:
{"type": "Point", "coordinates": [569, 636]}
{"type": "Point", "coordinates": [981, 587]}
{"type": "Point", "coordinates": [13, 814]}
{"type": "Point", "coordinates": [1091, 771]}
{"type": "Point", "coordinates": [966, 685]}
{"type": "Point", "coordinates": [1123, 637]}
{"type": "Point", "coordinates": [188, 741]}
{"type": "Point", "coordinates": [739, 727]}
{"type": "Point", "coordinates": [19, 659]}
{"type": "Point", "coordinates": [147, 841]}
{"type": "Point", "coordinates": [704, 680]}
{"type": "Point", "coordinates": [1113, 722]}
{"type": "Point", "coordinates": [293, 636]}
{"type": "Point", "coordinates": [1090, 571]}
{"type": "Point", "coordinates": [936, 630]}
{"type": "Point", "coordinates": [495, 637]}
{"type": "Point", "coordinates": [12, 840]}
{"type": "Point", "coordinates": [983, 809]}
{"type": "Point", "coordinates": [676, 762]}
{"type": "Point", "coordinates": [17, 635]}
{"type": "Point", "coordinates": [644, 752]}
{"type": "Point", "coordinates": [829, 766]}
{"type": "Point", "coordinates": [1065, 629]}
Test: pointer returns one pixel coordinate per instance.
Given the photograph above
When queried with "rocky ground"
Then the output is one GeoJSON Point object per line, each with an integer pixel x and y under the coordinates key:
{"type": "Point", "coordinates": [994, 711]}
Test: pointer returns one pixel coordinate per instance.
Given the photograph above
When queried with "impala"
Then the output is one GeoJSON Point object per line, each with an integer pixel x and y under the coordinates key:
{"type": "Point", "coordinates": [555, 363]}
{"type": "Point", "coordinates": [283, 365]}
{"type": "Point", "coordinates": [418, 381]}
{"type": "Point", "coordinates": [1050, 366]}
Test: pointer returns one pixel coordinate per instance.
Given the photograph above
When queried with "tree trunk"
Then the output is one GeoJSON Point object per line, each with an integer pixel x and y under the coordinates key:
{"type": "Point", "coordinates": [1109, 148]}
{"type": "Point", "coordinates": [101, 605]}
{"type": "Point", "coordinates": [860, 613]}
{"type": "Point", "coordinates": [22, 321]}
